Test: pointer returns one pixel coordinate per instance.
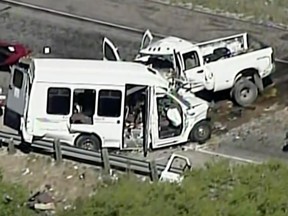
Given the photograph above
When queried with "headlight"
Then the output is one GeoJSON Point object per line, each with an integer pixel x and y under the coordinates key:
{"type": "Point", "coordinates": [209, 112]}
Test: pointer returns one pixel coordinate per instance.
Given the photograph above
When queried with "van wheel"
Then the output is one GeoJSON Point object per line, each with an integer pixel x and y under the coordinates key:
{"type": "Point", "coordinates": [88, 142]}
{"type": "Point", "coordinates": [245, 92]}
{"type": "Point", "coordinates": [201, 132]}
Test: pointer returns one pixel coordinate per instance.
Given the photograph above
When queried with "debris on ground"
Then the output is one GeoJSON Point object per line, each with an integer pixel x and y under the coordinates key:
{"type": "Point", "coordinates": [41, 201]}
{"type": "Point", "coordinates": [235, 113]}
{"type": "Point", "coordinates": [271, 108]}
{"type": "Point", "coordinates": [270, 93]}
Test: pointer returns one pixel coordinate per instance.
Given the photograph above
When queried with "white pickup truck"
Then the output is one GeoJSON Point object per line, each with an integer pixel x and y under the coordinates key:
{"type": "Point", "coordinates": [237, 62]}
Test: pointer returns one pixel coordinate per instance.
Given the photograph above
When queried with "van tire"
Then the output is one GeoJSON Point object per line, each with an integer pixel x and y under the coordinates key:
{"type": "Point", "coordinates": [88, 142]}
{"type": "Point", "coordinates": [244, 92]}
{"type": "Point", "coordinates": [201, 132]}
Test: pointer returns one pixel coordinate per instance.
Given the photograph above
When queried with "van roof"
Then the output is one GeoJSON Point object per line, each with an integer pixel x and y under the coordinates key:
{"type": "Point", "coordinates": [78, 71]}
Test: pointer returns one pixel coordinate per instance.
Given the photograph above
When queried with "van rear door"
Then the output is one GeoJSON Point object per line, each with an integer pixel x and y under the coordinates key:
{"type": "Point", "coordinates": [17, 97]}
{"type": "Point", "coordinates": [110, 51]}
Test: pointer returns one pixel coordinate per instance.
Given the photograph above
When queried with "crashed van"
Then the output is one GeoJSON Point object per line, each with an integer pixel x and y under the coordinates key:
{"type": "Point", "coordinates": [238, 62]}
{"type": "Point", "coordinates": [93, 104]}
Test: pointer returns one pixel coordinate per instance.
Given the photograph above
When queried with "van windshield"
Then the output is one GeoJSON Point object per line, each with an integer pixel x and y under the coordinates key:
{"type": "Point", "coordinates": [180, 98]}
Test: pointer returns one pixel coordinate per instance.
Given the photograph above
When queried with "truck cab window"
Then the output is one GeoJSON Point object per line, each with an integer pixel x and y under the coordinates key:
{"type": "Point", "coordinates": [83, 106]}
{"type": "Point", "coordinates": [191, 60]}
{"type": "Point", "coordinates": [18, 78]}
{"type": "Point", "coordinates": [58, 101]}
{"type": "Point", "coordinates": [170, 120]}
{"type": "Point", "coordinates": [109, 103]}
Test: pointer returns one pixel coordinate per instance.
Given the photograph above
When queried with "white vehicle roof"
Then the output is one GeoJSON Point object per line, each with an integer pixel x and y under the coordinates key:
{"type": "Point", "coordinates": [166, 46]}
{"type": "Point", "coordinates": [95, 72]}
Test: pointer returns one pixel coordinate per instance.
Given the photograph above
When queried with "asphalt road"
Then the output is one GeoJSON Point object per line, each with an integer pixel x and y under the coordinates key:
{"type": "Point", "coordinates": [74, 39]}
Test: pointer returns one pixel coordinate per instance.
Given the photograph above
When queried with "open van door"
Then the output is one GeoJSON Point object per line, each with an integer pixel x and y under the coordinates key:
{"type": "Point", "coordinates": [178, 64]}
{"type": "Point", "coordinates": [110, 51]}
{"type": "Point", "coordinates": [17, 97]}
{"type": "Point", "coordinates": [147, 126]}
{"type": "Point", "coordinates": [146, 39]}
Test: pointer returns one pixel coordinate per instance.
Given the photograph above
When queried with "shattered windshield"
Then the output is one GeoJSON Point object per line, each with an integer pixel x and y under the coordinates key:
{"type": "Point", "coordinates": [159, 61]}
{"type": "Point", "coordinates": [180, 98]}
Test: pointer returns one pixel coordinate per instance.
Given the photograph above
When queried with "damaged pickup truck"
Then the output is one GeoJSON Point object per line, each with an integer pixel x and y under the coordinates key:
{"type": "Point", "coordinates": [238, 62]}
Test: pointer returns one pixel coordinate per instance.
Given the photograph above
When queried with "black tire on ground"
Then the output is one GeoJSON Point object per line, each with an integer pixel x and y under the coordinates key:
{"type": "Point", "coordinates": [201, 132]}
{"type": "Point", "coordinates": [88, 142]}
{"type": "Point", "coordinates": [245, 92]}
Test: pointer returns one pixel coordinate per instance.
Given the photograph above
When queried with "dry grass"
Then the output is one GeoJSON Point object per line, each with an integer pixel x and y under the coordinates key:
{"type": "Point", "coordinates": [64, 179]}
{"type": "Point", "coordinates": [266, 10]}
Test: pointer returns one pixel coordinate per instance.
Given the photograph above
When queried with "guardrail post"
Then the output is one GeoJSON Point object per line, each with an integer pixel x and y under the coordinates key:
{"type": "Point", "coordinates": [105, 159]}
{"type": "Point", "coordinates": [153, 171]}
{"type": "Point", "coordinates": [11, 147]}
{"type": "Point", "coordinates": [57, 151]}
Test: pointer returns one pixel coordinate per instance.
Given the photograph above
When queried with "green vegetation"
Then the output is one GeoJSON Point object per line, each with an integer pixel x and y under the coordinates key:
{"type": "Point", "coordinates": [219, 189]}
{"type": "Point", "coordinates": [266, 10]}
{"type": "Point", "coordinates": [16, 206]}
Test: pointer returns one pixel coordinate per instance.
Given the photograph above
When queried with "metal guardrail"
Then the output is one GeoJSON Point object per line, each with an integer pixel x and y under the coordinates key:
{"type": "Point", "coordinates": [118, 162]}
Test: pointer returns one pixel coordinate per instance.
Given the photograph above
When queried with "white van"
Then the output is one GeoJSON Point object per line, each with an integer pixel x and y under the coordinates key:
{"type": "Point", "coordinates": [93, 104]}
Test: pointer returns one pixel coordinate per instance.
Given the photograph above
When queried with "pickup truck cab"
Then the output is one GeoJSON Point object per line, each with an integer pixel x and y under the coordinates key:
{"type": "Point", "coordinates": [237, 62]}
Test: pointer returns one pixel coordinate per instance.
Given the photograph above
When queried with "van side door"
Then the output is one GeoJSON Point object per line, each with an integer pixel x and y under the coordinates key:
{"type": "Point", "coordinates": [17, 97]}
{"type": "Point", "coordinates": [165, 131]}
{"type": "Point", "coordinates": [109, 119]}
{"type": "Point", "coordinates": [148, 123]}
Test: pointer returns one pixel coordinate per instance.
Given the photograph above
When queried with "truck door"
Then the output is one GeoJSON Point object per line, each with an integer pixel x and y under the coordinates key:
{"type": "Point", "coordinates": [16, 100]}
{"type": "Point", "coordinates": [110, 51]}
{"type": "Point", "coordinates": [193, 69]}
{"type": "Point", "coordinates": [146, 39]}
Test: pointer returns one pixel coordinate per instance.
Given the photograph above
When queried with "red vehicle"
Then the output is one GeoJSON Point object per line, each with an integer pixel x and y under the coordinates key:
{"type": "Point", "coordinates": [11, 53]}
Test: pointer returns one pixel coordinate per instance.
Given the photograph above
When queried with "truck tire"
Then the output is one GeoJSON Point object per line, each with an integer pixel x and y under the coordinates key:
{"type": "Point", "coordinates": [244, 92]}
{"type": "Point", "coordinates": [88, 142]}
{"type": "Point", "coordinates": [201, 132]}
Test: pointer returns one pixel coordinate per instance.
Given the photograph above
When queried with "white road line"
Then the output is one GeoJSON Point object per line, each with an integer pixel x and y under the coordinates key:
{"type": "Point", "coordinates": [281, 61]}
{"type": "Point", "coordinates": [227, 156]}
{"type": "Point", "coordinates": [88, 19]}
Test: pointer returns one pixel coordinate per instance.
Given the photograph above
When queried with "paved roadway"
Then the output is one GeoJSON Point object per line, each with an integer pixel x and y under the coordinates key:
{"type": "Point", "coordinates": [74, 39]}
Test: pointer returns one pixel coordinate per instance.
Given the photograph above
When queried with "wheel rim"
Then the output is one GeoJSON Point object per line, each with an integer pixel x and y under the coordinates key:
{"type": "Point", "coordinates": [246, 94]}
{"type": "Point", "coordinates": [202, 132]}
{"type": "Point", "coordinates": [88, 145]}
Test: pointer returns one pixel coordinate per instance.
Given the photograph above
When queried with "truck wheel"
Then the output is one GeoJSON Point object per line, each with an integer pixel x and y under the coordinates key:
{"type": "Point", "coordinates": [245, 92]}
{"type": "Point", "coordinates": [88, 142]}
{"type": "Point", "coordinates": [201, 132]}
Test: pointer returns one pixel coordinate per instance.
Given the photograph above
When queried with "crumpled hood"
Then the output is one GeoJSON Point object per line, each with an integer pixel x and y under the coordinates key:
{"type": "Point", "coordinates": [191, 98]}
